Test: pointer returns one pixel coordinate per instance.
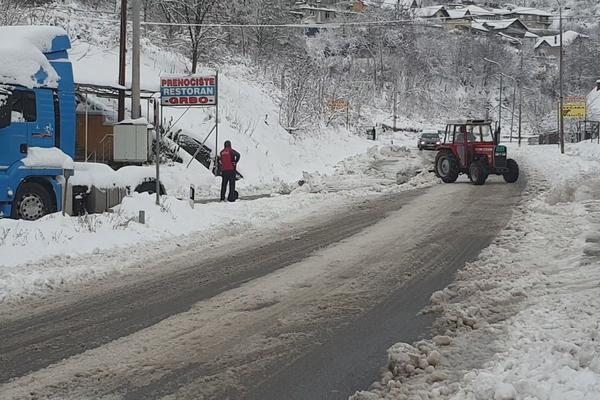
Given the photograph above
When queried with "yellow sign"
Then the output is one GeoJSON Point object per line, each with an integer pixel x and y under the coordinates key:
{"type": "Point", "coordinates": [574, 111]}
{"type": "Point", "coordinates": [338, 105]}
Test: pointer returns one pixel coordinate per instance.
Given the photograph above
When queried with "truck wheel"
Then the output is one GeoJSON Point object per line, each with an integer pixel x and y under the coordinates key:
{"type": "Point", "coordinates": [478, 173]}
{"type": "Point", "coordinates": [513, 171]}
{"type": "Point", "coordinates": [32, 202]}
{"type": "Point", "coordinates": [446, 167]}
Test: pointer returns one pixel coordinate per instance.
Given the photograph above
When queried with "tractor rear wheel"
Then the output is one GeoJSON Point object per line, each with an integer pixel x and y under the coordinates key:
{"type": "Point", "coordinates": [446, 167]}
{"type": "Point", "coordinates": [478, 173]}
{"type": "Point", "coordinates": [512, 175]}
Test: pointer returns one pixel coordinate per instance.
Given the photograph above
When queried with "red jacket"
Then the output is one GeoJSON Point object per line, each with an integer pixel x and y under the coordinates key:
{"type": "Point", "coordinates": [229, 158]}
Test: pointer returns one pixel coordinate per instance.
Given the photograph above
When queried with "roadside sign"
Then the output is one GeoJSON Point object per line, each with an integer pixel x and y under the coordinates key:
{"type": "Point", "coordinates": [338, 105]}
{"type": "Point", "coordinates": [574, 107]}
{"type": "Point", "coordinates": [190, 90]}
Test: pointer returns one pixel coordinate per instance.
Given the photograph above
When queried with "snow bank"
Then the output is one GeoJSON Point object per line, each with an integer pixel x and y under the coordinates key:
{"type": "Point", "coordinates": [38, 157]}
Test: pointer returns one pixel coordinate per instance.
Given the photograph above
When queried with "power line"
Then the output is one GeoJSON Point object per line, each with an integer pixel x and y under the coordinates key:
{"type": "Point", "coordinates": [332, 25]}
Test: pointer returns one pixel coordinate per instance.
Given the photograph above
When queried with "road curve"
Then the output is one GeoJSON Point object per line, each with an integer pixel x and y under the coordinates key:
{"type": "Point", "coordinates": [307, 315]}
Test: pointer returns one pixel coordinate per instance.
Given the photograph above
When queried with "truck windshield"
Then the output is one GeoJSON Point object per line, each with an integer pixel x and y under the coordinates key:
{"type": "Point", "coordinates": [17, 106]}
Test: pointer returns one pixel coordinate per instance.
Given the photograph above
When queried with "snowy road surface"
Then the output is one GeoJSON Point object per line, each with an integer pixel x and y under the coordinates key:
{"type": "Point", "coordinates": [306, 312]}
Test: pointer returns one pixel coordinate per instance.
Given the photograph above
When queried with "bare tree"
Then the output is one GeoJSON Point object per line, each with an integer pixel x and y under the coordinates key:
{"type": "Point", "coordinates": [12, 11]}
{"type": "Point", "coordinates": [194, 13]}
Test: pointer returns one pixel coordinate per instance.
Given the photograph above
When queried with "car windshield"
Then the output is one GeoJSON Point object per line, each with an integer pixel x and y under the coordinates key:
{"type": "Point", "coordinates": [430, 136]}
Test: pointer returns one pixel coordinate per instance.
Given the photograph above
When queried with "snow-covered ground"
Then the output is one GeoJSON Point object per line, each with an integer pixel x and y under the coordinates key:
{"type": "Point", "coordinates": [521, 322]}
{"type": "Point", "coordinates": [331, 163]}
{"type": "Point", "coordinates": [249, 118]}
{"type": "Point", "coordinates": [57, 250]}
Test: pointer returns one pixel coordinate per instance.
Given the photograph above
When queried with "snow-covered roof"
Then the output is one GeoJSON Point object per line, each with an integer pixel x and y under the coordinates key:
{"type": "Point", "coordinates": [554, 41]}
{"type": "Point", "coordinates": [478, 11]}
{"type": "Point", "coordinates": [458, 13]}
{"type": "Point", "coordinates": [478, 26]}
{"type": "Point", "coordinates": [428, 12]}
{"type": "Point", "coordinates": [392, 4]}
{"type": "Point", "coordinates": [22, 51]}
{"type": "Point", "coordinates": [500, 11]}
{"type": "Point", "coordinates": [498, 24]}
{"type": "Point", "coordinates": [530, 11]}
{"type": "Point", "coordinates": [308, 7]}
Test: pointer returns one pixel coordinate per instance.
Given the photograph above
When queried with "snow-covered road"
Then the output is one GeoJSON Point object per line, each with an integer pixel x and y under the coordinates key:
{"type": "Point", "coordinates": [521, 321]}
{"type": "Point", "coordinates": [221, 327]}
{"type": "Point", "coordinates": [56, 252]}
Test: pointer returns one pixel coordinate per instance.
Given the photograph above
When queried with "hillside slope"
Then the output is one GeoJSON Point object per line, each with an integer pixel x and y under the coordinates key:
{"type": "Point", "coordinates": [249, 116]}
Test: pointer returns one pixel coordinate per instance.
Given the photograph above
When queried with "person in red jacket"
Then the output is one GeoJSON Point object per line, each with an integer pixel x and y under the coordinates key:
{"type": "Point", "coordinates": [228, 159]}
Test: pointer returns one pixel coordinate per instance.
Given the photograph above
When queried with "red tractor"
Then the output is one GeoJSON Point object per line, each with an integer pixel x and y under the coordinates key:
{"type": "Point", "coordinates": [469, 147]}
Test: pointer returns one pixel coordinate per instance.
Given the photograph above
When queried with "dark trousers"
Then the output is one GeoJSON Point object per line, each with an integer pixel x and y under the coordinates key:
{"type": "Point", "coordinates": [228, 178]}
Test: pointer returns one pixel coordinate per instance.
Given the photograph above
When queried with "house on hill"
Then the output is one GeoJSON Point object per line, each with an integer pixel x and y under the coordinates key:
{"type": "Point", "coordinates": [432, 12]}
{"type": "Point", "coordinates": [397, 5]}
{"type": "Point", "coordinates": [532, 17]}
{"type": "Point", "coordinates": [549, 46]}
{"type": "Point", "coordinates": [315, 12]}
{"type": "Point", "coordinates": [509, 27]}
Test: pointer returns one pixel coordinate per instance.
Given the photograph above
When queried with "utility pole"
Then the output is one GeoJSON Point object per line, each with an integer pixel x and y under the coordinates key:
{"type": "Point", "coordinates": [562, 99]}
{"type": "Point", "coordinates": [512, 118]}
{"type": "Point", "coordinates": [520, 111]}
{"type": "Point", "coordinates": [500, 112]}
{"type": "Point", "coordinates": [500, 100]}
{"type": "Point", "coordinates": [395, 107]}
{"type": "Point", "coordinates": [520, 85]}
{"type": "Point", "coordinates": [122, 60]}
{"type": "Point", "coordinates": [136, 111]}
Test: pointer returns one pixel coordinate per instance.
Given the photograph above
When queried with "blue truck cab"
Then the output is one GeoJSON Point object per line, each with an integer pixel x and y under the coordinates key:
{"type": "Point", "coordinates": [36, 116]}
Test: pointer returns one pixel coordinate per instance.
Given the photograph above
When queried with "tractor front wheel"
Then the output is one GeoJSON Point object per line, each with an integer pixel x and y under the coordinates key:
{"type": "Point", "coordinates": [446, 167]}
{"type": "Point", "coordinates": [478, 173]}
{"type": "Point", "coordinates": [512, 175]}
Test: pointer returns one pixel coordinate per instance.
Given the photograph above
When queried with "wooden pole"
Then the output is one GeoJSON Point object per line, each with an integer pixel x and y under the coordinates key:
{"type": "Point", "coordinates": [122, 60]}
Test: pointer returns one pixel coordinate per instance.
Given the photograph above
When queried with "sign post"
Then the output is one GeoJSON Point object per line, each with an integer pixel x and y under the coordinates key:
{"type": "Point", "coordinates": [157, 129]}
{"type": "Point", "coordinates": [340, 105]}
{"type": "Point", "coordinates": [216, 122]}
{"type": "Point", "coordinates": [200, 90]}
